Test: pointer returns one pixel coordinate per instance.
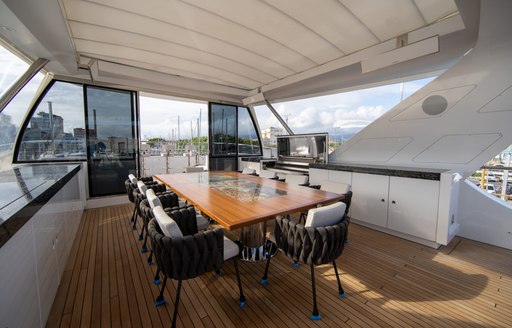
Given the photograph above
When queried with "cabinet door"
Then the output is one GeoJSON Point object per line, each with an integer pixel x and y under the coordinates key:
{"type": "Point", "coordinates": [413, 206]}
{"type": "Point", "coordinates": [370, 198]}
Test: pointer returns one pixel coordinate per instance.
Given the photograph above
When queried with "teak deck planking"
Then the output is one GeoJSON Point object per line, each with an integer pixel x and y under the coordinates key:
{"type": "Point", "coordinates": [390, 282]}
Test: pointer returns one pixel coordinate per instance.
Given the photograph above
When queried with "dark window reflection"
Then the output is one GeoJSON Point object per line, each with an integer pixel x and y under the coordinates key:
{"type": "Point", "coordinates": [111, 139]}
{"type": "Point", "coordinates": [248, 143]}
{"type": "Point", "coordinates": [56, 130]}
{"type": "Point", "coordinates": [223, 130]}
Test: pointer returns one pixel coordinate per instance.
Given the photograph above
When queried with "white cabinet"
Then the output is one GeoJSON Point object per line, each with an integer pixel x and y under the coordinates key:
{"type": "Point", "coordinates": [413, 205]}
{"type": "Point", "coordinates": [405, 205]}
{"type": "Point", "coordinates": [370, 198]}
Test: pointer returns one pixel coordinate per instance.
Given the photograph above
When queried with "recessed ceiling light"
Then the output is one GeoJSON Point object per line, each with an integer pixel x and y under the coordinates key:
{"type": "Point", "coordinates": [7, 28]}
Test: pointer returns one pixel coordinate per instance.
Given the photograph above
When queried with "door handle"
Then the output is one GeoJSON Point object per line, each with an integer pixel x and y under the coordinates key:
{"type": "Point", "coordinates": [393, 202]}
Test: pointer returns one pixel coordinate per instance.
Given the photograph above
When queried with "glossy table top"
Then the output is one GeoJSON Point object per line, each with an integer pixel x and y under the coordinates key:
{"type": "Point", "coordinates": [237, 200]}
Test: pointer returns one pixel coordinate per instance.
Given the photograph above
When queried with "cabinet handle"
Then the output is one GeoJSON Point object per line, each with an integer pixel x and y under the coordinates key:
{"type": "Point", "coordinates": [393, 202]}
{"type": "Point", "coordinates": [382, 200]}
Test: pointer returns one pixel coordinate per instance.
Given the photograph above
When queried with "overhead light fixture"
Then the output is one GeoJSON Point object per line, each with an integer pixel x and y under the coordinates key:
{"type": "Point", "coordinates": [401, 54]}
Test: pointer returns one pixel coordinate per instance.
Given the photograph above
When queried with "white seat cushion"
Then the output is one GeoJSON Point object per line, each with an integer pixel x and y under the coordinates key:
{"type": "Point", "coordinates": [325, 215]}
{"type": "Point", "coordinates": [132, 178]}
{"type": "Point", "coordinates": [169, 227]}
{"type": "Point", "coordinates": [248, 170]}
{"type": "Point", "coordinates": [142, 187]}
{"type": "Point", "coordinates": [268, 174]}
{"type": "Point", "coordinates": [335, 187]}
{"type": "Point", "coordinates": [202, 222]}
{"type": "Point", "coordinates": [153, 200]}
{"type": "Point", "coordinates": [230, 248]}
{"type": "Point", "coordinates": [296, 179]}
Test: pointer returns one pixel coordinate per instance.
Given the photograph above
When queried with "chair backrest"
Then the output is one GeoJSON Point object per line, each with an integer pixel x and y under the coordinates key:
{"type": "Point", "coordinates": [248, 170]}
{"type": "Point", "coordinates": [296, 179]}
{"type": "Point", "coordinates": [168, 226]}
{"type": "Point", "coordinates": [189, 256]}
{"type": "Point", "coordinates": [335, 187]}
{"type": "Point", "coordinates": [153, 200]}
{"type": "Point", "coordinates": [142, 188]}
{"type": "Point", "coordinates": [325, 215]}
{"type": "Point", "coordinates": [132, 178]}
{"type": "Point", "coordinates": [191, 169]}
{"type": "Point", "coordinates": [268, 174]}
{"type": "Point", "coordinates": [186, 219]}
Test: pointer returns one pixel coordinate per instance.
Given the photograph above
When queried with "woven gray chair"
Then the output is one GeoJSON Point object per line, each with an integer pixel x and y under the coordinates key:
{"type": "Point", "coordinates": [321, 240]}
{"type": "Point", "coordinates": [182, 255]}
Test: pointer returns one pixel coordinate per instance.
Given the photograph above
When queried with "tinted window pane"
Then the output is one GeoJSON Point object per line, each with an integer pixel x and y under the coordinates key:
{"type": "Point", "coordinates": [111, 140]}
{"type": "Point", "coordinates": [56, 130]}
{"type": "Point", "coordinates": [223, 129]}
{"type": "Point", "coordinates": [11, 119]}
{"type": "Point", "coordinates": [248, 143]}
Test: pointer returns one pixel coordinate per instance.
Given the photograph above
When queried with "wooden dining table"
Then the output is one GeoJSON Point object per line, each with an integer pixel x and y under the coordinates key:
{"type": "Point", "coordinates": [236, 200]}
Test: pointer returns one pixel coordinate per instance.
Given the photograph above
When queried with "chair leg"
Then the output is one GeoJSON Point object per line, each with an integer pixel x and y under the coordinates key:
{"type": "Point", "coordinates": [264, 280]}
{"type": "Point", "coordinates": [134, 210]}
{"type": "Point", "coordinates": [340, 289]}
{"type": "Point", "coordinates": [150, 258]}
{"type": "Point", "coordinates": [141, 235]}
{"type": "Point", "coordinates": [316, 314]}
{"type": "Point", "coordinates": [134, 225]}
{"type": "Point", "coordinates": [243, 302]}
{"type": "Point", "coordinates": [176, 304]}
{"type": "Point", "coordinates": [157, 276]}
{"type": "Point", "coordinates": [160, 298]}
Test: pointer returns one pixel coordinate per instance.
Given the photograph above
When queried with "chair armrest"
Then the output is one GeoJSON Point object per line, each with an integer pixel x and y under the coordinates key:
{"type": "Point", "coordinates": [314, 186]}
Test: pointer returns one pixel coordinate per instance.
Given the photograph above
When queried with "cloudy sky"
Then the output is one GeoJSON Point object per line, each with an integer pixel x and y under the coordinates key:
{"type": "Point", "coordinates": [340, 114]}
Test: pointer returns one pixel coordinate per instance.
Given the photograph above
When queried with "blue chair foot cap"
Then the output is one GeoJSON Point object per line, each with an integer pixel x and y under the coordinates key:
{"type": "Point", "coordinates": [295, 264]}
{"type": "Point", "coordinates": [143, 249]}
{"type": "Point", "coordinates": [315, 317]}
{"type": "Point", "coordinates": [343, 295]}
{"type": "Point", "coordinates": [218, 274]}
{"type": "Point", "coordinates": [243, 304]}
{"type": "Point", "coordinates": [347, 241]}
{"type": "Point", "coordinates": [157, 281]}
{"type": "Point", "coordinates": [149, 261]}
{"type": "Point", "coordinates": [159, 301]}
{"type": "Point", "coordinates": [264, 282]}
{"type": "Point", "coordinates": [140, 238]}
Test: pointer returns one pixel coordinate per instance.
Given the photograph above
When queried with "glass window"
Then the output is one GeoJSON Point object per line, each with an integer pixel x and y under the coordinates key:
{"type": "Point", "coordinates": [223, 129]}
{"type": "Point", "coordinates": [56, 129]}
{"type": "Point", "coordinates": [248, 143]}
{"type": "Point", "coordinates": [174, 134]}
{"type": "Point", "coordinates": [111, 139]}
{"type": "Point", "coordinates": [12, 68]}
{"type": "Point", "coordinates": [12, 115]}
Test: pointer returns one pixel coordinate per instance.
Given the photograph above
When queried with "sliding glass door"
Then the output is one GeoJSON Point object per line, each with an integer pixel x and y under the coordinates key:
{"type": "Point", "coordinates": [232, 134]}
{"type": "Point", "coordinates": [111, 141]}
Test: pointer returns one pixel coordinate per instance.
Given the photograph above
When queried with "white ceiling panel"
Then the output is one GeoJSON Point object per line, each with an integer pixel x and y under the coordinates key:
{"type": "Point", "coordinates": [137, 41]}
{"type": "Point", "coordinates": [275, 25]}
{"type": "Point", "coordinates": [332, 21]}
{"type": "Point", "coordinates": [405, 17]}
{"type": "Point", "coordinates": [198, 21]}
{"type": "Point", "coordinates": [185, 66]}
{"type": "Point", "coordinates": [432, 10]}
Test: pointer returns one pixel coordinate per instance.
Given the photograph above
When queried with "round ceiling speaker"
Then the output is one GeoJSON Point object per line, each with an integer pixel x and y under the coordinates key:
{"type": "Point", "coordinates": [434, 105]}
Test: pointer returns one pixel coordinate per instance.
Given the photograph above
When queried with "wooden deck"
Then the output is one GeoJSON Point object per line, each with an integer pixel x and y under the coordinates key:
{"type": "Point", "coordinates": [389, 282]}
